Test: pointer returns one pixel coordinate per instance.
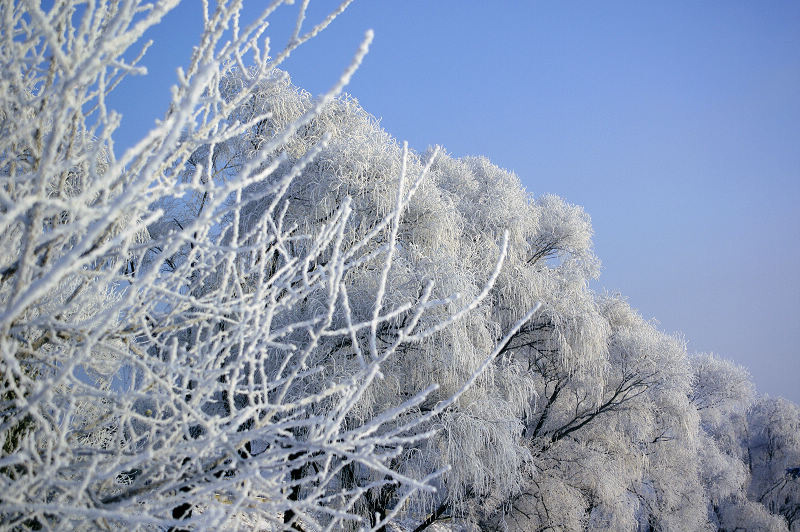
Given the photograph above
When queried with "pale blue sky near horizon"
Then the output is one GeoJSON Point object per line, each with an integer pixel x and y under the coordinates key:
{"type": "Point", "coordinates": [676, 125]}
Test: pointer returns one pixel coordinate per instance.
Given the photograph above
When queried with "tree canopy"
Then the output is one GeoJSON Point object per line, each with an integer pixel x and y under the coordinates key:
{"type": "Point", "coordinates": [270, 314]}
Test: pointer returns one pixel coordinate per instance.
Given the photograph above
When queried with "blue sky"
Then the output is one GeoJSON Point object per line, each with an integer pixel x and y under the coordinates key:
{"type": "Point", "coordinates": [675, 125]}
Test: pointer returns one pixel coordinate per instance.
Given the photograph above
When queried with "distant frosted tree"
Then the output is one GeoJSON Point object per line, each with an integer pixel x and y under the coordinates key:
{"type": "Point", "coordinates": [614, 443]}
{"type": "Point", "coordinates": [773, 457]}
{"type": "Point", "coordinates": [745, 475]}
{"type": "Point", "coordinates": [722, 392]}
{"type": "Point", "coordinates": [721, 389]}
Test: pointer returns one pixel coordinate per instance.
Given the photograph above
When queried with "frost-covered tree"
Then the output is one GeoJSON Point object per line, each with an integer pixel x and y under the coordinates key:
{"type": "Point", "coordinates": [613, 443]}
{"type": "Point", "coordinates": [184, 342]}
{"type": "Point", "coordinates": [746, 477]}
{"type": "Point", "coordinates": [443, 239]}
{"type": "Point", "coordinates": [773, 457]}
{"type": "Point", "coordinates": [269, 314]}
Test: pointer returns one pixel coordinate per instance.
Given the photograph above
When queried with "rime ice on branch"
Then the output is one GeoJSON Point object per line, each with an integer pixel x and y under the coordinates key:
{"type": "Point", "coordinates": [269, 314]}
{"type": "Point", "coordinates": [178, 347]}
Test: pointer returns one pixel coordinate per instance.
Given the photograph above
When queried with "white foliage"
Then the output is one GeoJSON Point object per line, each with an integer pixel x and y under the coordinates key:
{"type": "Point", "coordinates": [271, 314]}
{"type": "Point", "coordinates": [748, 515]}
{"type": "Point", "coordinates": [195, 334]}
{"type": "Point", "coordinates": [746, 454]}
{"type": "Point", "coordinates": [721, 388]}
{"type": "Point", "coordinates": [773, 457]}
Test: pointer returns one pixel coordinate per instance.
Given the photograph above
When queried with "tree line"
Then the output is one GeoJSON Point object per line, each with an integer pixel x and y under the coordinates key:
{"type": "Point", "coordinates": [270, 314]}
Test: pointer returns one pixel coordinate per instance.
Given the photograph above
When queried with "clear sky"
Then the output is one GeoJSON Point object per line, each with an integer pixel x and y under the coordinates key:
{"type": "Point", "coordinates": [676, 125]}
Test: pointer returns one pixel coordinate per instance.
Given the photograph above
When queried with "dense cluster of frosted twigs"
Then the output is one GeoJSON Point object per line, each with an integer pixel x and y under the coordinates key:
{"type": "Point", "coordinates": [269, 315]}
